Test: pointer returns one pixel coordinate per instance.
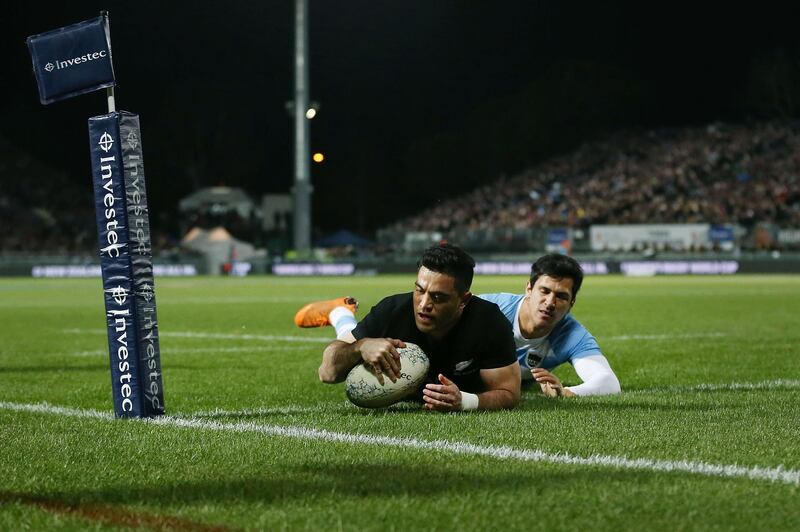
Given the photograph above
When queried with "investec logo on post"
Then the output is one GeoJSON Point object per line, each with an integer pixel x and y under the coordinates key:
{"type": "Point", "coordinates": [140, 239]}
{"type": "Point", "coordinates": [106, 142]}
{"type": "Point", "coordinates": [67, 63]}
{"type": "Point", "coordinates": [120, 296]}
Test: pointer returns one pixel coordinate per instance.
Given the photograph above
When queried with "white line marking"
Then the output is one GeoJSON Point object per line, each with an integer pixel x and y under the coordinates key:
{"type": "Point", "coordinates": [666, 336]}
{"type": "Point", "coordinates": [313, 339]}
{"type": "Point", "coordinates": [291, 409]}
{"type": "Point", "coordinates": [260, 337]}
{"type": "Point", "coordinates": [774, 474]}
{"type": "Point", "coordinates": [220, 336]}
{"type": "Point", "coordinates": [166, 300]}
{"type": "Point", "coordinates": [286, 410]}
{"type": "Point", "coordinates": [732, 386]}
{"type": "Point", "coordinates": [46, 408]}
{"type": "Point", "coordinates": [199, 350]}
{"type": "Point", "coordinates": [95, 353]}
{"type": "Point", "coordinates": [255, 299]}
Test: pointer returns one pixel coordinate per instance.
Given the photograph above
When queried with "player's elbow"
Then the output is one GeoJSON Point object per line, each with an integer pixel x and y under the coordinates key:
{"type": "Point", "coordinates": [608, 384]}
{"type": "Point", "coordinates": [513, 399]}
{"type": "Point", "coordinates": [329, 370]}
{"type": "Point", "coordinates": [328, 374]}
{"type": "Point", "coordinates": [325, 375]}
{"type": "Point", "coordinates": [512, 389]}
{"type": "Point", "coordinates": [509, 396]}
{"type": "Point", "coordinates": [499, 399]}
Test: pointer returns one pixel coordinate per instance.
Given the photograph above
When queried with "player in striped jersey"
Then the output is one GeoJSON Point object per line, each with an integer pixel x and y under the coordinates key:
{"type": "Point", "coordinates": [545, 332]}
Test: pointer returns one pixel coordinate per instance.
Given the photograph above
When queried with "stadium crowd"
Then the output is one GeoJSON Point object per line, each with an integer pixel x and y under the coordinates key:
{"type": "Point", "coordinates": [38, 208]}
{"type": "Point", "coordinates": [715, 174]}
{"type": "Point", "coordinates": [43, 211]}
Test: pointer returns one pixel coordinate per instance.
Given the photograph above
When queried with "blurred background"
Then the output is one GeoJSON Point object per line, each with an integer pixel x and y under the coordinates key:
{"type": "Point", "coordinates": [620, 131]}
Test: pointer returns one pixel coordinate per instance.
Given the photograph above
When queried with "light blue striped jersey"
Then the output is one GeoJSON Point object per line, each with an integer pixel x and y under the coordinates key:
{"type": "Point", "coordinates": [568, 341]}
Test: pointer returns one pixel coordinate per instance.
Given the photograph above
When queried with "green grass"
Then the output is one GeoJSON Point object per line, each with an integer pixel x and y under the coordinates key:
{"type": "Point", "coordinates": [685, 349]}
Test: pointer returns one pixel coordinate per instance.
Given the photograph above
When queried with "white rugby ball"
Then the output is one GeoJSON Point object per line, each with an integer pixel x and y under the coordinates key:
{"type": "Point", "coordinates": [363, 389]}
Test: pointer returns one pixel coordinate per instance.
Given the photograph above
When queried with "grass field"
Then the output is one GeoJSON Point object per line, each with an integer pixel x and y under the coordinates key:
{"type": "Point", "coordinates": [706, 434]}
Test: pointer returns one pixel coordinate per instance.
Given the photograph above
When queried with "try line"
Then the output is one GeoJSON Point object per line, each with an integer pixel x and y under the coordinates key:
{"type": "Point", "coordinates": [219, 336]}
{"type": "Point", "coordinates": [774, 474]}
{"type": "Point", "coordinates": [317, 339]}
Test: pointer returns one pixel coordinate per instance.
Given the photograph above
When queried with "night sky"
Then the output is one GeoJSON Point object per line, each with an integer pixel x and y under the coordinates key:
{"type": "Point", "coordinates": [420, 99]}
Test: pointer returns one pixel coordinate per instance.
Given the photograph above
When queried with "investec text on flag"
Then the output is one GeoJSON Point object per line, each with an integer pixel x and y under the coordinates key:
{"type": "Point", "coordinates": [72, 60]}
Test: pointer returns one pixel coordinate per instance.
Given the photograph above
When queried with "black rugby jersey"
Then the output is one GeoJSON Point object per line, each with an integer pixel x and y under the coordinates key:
{"type": "Point", "coordinates": [481, 339]}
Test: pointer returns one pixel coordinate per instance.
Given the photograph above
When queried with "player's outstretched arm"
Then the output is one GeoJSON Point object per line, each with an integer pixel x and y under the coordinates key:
{"type": "Point", "coordinates": [595, 372]}
{"type": "Point", "coordinates": [597, 376]}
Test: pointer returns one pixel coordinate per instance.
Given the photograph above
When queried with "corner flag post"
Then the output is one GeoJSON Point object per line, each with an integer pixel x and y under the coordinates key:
{"type": "Point", "coordinates": [112, 106]}
{"type": "Point", "coordinates": [68, 62]}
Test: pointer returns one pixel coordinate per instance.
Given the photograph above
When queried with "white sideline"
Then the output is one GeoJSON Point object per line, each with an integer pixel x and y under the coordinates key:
{"type": "Point", "coordinates": [197, 350]}
{"type": "Point", "coordinates": [285, 410]}
{"type": "Point", "coordinates": [685, 336]}
{"type": "Point", "coordinates": [732, 386]}
{"type": "Point", "coordinates": [317, 339]}
{"type": "Point", "coordinates": [774, 474]}
{"type": "Point", "coordinates": [220, 336]}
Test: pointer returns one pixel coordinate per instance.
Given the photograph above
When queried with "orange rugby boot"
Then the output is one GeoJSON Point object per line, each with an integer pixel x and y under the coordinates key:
{"type": "Point", "coordinates": [316, 314]}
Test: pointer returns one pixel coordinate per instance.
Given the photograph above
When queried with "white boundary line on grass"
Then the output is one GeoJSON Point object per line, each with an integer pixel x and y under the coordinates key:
{"type": "Point", "coordinates": [316, 339]}
{"type": "Point", "coordinates": [725, 386]}
{"type": "Point", "coordinates": [774, 474]}
{"type": "Point", "coordinates": [221, 336]}
{"type": "Point", "coordinates": [202, 350]}
{"type": "Point", "coordinates": [256, 299]}
{"type": "Point", "coordinates": [686, 336]}
{"type": "Point", "coordinates": [284, 410]}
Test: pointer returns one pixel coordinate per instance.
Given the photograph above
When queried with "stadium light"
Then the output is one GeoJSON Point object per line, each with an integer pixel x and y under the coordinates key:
{"type": "Point", "coordinates": [311, 111]}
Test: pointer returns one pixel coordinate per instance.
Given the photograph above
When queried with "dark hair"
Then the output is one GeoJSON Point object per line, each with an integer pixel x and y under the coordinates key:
{"type": "Point", "coordinates": [558, 266]}
{"type": "Point", "coordinates": [450, 260]}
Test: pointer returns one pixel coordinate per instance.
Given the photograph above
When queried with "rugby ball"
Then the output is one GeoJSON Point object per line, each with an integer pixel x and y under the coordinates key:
{"type": "Point", "coordinates": [364, 390]}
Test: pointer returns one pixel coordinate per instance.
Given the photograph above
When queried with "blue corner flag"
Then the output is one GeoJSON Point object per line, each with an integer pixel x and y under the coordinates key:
{"type": "Point", "coordinates": [72, 60]}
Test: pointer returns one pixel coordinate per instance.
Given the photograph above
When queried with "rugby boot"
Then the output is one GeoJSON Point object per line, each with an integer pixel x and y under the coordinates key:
{"type": "Point", "coordinates": [316, 314]}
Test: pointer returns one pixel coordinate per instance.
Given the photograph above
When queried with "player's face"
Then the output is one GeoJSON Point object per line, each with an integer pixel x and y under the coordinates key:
{"type": "Point", "coordinates": [549, 300]}
{"type": "Point", "coordinates": [437, 303]}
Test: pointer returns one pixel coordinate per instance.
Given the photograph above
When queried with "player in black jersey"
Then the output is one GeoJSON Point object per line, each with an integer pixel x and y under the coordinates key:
{"type": "Point", "coordinates": [468, 341]}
